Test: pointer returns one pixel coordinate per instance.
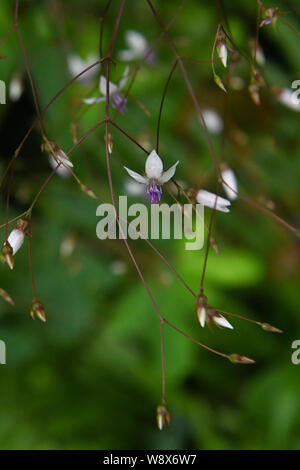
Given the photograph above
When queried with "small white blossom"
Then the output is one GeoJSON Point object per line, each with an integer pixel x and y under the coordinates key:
{"type": "Point", "coordinates": [16, 88]}
{"type": "Point", "coordinates": [288, 98]}
{"type": "Point", "coordinates": [76, 65]}
{"type": "Point", "coordinates": [230, 180]}
{"type": "Point", "coordinates": [155, 176]}
{"type": "Point", "coordinates": [213, 121]}
{"type": "Point", "coordinates": [16, 239]}
{"type": "Point", "coordinates": [209, 199]}
{"type": "Point", "coordinates": [61, 170]}
{"type": "Point", "coordinates": [137, 47]}
{"type": "Point", "coordinates": [205, 315]}
{"type": "Point", "coordinates": [118, 101]}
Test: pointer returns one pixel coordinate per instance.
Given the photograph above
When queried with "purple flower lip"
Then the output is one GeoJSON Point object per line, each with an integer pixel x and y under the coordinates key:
{"type": "Point", "coordinates": [119, 102]}
{"type": "Point", "coordinates": [154, 191]}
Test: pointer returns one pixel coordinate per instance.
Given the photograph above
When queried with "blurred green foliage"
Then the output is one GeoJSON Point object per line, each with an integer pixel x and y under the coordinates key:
{"type": "Point", "coordinates": [91, 376]}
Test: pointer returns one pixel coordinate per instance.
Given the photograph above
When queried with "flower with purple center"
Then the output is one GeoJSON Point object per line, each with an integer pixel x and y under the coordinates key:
{"type": "Point", "coordinates": [155, 176]}
{"type": "Point", "coordinates": [117, 99]}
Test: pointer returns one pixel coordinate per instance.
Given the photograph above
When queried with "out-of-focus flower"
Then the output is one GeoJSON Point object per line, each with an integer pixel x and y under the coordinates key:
{"type": "Point", "coordinates": [222, 47]}
{"type": "Point", "coordinates": [260, 56]}
{"type": "Point", "coordinates": [61, 170]}
{"type": "Point", "coordinates": [58, 154]}
{"type": "Point", "coordinates": [138, 48]}
{"type": "Point", "coordinates": [118, 100]}
{"type": "Point", "coordinates": [16, 88]}
{"type": "Point", "coordinates": [229, 179]}
{"type": "Point", "coordinates": [76, 65]}
{"type": "Point", "coordinates": [288, 98]}
{"type": "Point", "coordinates": [213, 121]}
{"type": "Point", "coordinates": [155, 176]}
{"type": "Point", "coordinates": [212, 200]}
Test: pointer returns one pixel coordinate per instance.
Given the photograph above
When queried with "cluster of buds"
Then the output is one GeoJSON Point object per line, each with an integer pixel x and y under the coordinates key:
{"type": "Point", "coordinates": [206, 314]}
{"type": "Point", "coordinates": [222, 47]}
{"type": "Point", "coordinates": [163, 416]}
{"type": "Point", "coordinates": [37, 310]}
{"type": "Point", "coordinates": [257, 82]}
{"type": "Point", "coordinates": [13, 243]}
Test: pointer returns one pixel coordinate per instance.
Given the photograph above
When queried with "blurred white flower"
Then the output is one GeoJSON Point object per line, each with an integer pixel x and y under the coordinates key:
{"type": "Point", "coordinates": [137, 48]}
{"type": "Point", "coordinates": [222, 52]}
{"type": "Point", "coordinates": [16, 88]}
{"type": "Point", "coordinates": [213, 121]}
{"type": "Point", "coordinates": [76, 65]}
{"type": "Point", "coordinates": [61, 171]}
{"type": "Point", "coordinates": [230, 178]}
{"type": "Point", "coordinates": [209, 199]}
{"type": "Point", "coordinates": [118, 100]}
{"type": "Point", "coordinates": [288, 98]}
{"type": "Point", "coordinates": [155, 176]}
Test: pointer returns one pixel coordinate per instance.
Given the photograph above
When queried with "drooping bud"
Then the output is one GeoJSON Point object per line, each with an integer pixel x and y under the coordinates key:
{"type": "Point", "coordinates": [88, 191]}
{"type": "Point", "coordinates": [222, 47]}
{"type": "Point", "coordinates": [237, 358]}
{"type": "Point", "coordinates": [37, 310]}
{"type": "Point", "coordinates": [60, 156]}
{"type": "Point", "coordinates": [268, 327]}
{"type": "Point", "coordinates": [257, 82]}
{"type": "Point", "coordinates": [7, 254]}
{"type": "Point", "coordinates": [110, 143]}
{"type": "Point", "coordinates": [200, 307]}
{"type": "Point", "coordinates": [219, 319]}
{"type": "Point", "coordinates": [6, 297]}
{"type": "Point", "coordinates": [163, 416]}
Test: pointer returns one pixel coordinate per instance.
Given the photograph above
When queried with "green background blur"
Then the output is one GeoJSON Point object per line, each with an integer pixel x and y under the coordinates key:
{"type": "Point", "coordinates": [90, 378]}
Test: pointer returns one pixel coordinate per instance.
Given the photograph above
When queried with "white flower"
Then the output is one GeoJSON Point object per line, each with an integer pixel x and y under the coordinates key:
{"type": "Point", "coordinates": [61, 170]}
{"type": "Point", "coordinates": [76, 65]}
{"type": "Point", "coordinates": [213, 121]}
{"type": "Point", "coordinates": [59, 154]}
{"type": "Point", "coordinates": [155, 176]}
{"type": "Point", "coordinates": [209, 199]}
{"type": "Point", "coordinates": [16, 88]}
{"type": "Point", "coordinates": [16, 239]}
{"type": "Point", "coordinates": [230, 180]}
{"type": "Point", "coordinates": [287, 97]}
{"type": "Point", "coordinates": [205, 315]}
{"type": "Point", "coordinates": [222, 52]}
{"type": "Point", "coordinates": [118, 101]}
{"type": "Point", "coordinates": [137, 47]}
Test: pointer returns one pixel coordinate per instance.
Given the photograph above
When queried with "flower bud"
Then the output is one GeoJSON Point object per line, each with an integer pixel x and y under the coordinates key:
{"type": "Point", "coordinates": [88, 191]}
{"type": "Point", "coordinates": [6, 297]}
{"type": "Point", "coordinates": [200, 308]}
{"type": "Point", "coordinates": [57, 153]}
{"type": "Point", "coordinates": [37, 310]}
{"type": "Point", "coordinates": [237, 358]}
{"type": "Point", "coordinates": [268, 327]}
{"type": "Point", "coordinates": [7, 254]}
{"type": "Point", "coordinates": [163, 416]}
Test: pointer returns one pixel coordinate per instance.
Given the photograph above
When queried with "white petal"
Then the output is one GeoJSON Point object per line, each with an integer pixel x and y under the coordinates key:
{"type": "Point", "coordinates": [213, 121]}
{"type": "Point", "coordinates": [62, 171]}
{"type": "Point", "coordinates": [124, 79]}
{"type": "Point", "coordinates": [202, 316]}
{"type": "Point", "coordinates": [222, 52]}
{"type": "Point", "coordinates": [63, 158]}
{"type": "Point", "coordinates": [93, 100]}
{"type": "Point", "coordinates": [167, 175]}
{"type": "Point", "coordinates": [136, 176]}
{"type": "Point", "coordinates": [209, 199]}
{"type": "Point", "coordinates": [221, 321]}
{"type": "Point", "coordinates": [230, 178]}
{"type": "Point", "coordinates": [102, 85]}
{"type": "Point", "coordinates": [15, 89]}
{"type": "Point", "coordinates": [76, 65]}
{"type": "Point", "coordinates": [287, 98]}
{"type": "Point", "coordinates": [136, 42]}
{"type": "Point", "coordinates": [154, 166]}
{"type": "Point", "coordinates": [127, 55]}
{"type": "Point", "coordinates": [16, 239]}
